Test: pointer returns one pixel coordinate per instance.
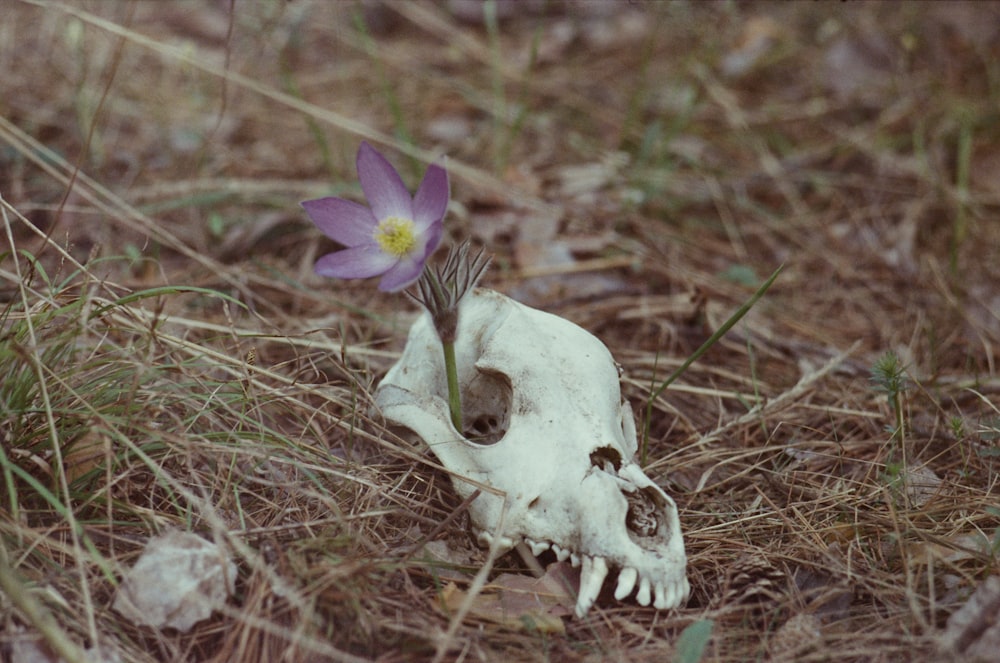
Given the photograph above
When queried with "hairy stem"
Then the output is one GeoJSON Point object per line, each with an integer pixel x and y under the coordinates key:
{"type": "Point", "coordinates": [454, 398]}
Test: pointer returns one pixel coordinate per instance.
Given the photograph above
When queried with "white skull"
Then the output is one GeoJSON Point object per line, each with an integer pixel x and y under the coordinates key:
{"type": "Point", "coordinates": [545, 423]}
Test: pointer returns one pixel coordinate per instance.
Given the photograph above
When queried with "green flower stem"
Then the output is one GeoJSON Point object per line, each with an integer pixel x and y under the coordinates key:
{"type": "Point", "coordinates": [454, 398]}
{"type": "Point", "coordinates": [440, 290]}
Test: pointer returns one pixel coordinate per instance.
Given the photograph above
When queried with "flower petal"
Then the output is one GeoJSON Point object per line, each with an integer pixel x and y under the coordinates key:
{"type": "Point", "coordinates": [428, 241]}
{"type": "Point", "coordinates": [342, 220]}
{"type": "Point", "coordinates": [431, 201]}
{"type": "Point", "coordinates": [382, 185]}
{"type": "Point", "coordinates": [402, 275]}
{"type": "Point", "coordinates": [355, 263]}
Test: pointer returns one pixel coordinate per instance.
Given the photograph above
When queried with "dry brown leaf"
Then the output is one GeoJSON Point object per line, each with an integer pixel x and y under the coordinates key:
{"type": "Point", "coordinates": [797, 636]}
{"type": "Point", "coordinates": [859, 65]}
{"type": "Point", "coordinates": [973, 632]}
{"type": "Point", "coordinates": [951, 550]}
{"type": "Point", "coordinates": [521, 602]}
{"type": "Point", "coordinates": [973, 23]}
{"type": "Point", "coordinates": [31, 649]}
{"type": "Point", "coordinates": [85, 454]}
{"type": "Point", "coordinates": [922, 484]}
{"type": "Point", "coordinates": [985, 171]}
{"type": "Point", "coordinates": [443, 552]}
{"type": "Point", "coordinates": [759, 37]}
{"type": "Point", "coordinates": [604, 33]}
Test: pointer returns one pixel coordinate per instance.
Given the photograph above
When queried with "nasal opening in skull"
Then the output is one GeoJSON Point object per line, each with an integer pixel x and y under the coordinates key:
{"type": "Point", "coordinates": [641, 520]}
{"type": "Point", "coordinates": [486, 404]}
{"type": "Point", "coordinates": [608, 459]}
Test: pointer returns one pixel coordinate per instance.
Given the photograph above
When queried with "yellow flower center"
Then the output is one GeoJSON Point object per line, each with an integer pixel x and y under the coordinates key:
{"type": "Point", "coordinates": [395, 236]}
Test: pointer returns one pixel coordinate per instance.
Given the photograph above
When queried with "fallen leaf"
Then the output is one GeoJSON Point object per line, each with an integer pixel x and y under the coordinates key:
{"type": "Point", "coordinates": [973, 631]}
{"type": "Point", "coordinates": [547, 261]}
{"type": "Point", "coordinates": [584, 180]}
{"type": "Point", "coordinates": [450, 129]}
{"type": "Point", "coordinates": [31, 649]}
{"type": "Point", "coordinates": [443, 556]}
{"type": "Point", "coordinates": [952, 550]}
{"type": "Point", "coordinates": [799, 635]}
{"type": "Point", "coordinates": [693, 640]}
{"type": "Point", "coordinates": [616, 29]}
{"type": "Point", "coordinates": [858, 66]}
{"type": "Point", "coordinates": [521, 602]}
{"type": "Point", "coordinates": [922, 483]}
{"type": "Point", "coordinates": [85, 454]}
{"type": "Point", "coordinates": [974, 24]}
{"type": "Point", "coordinates": [179, 580]}
{"type": "Point", "coordinates": [759, 37]}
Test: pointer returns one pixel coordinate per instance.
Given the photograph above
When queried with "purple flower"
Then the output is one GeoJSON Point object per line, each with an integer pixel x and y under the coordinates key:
{"type": "Point", "coordinates": [395, 237]}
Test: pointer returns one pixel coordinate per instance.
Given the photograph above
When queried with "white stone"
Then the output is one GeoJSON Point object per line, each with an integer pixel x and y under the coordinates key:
{"type": "Point", "coordinates": [178, 581]}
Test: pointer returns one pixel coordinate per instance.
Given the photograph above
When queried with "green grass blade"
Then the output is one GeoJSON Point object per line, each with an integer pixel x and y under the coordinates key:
{"type": "Point", "coordinates": [712, 340]}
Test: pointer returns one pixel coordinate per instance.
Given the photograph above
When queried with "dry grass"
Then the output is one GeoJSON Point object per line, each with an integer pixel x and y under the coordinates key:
{"type": "Point", "coordinates": [168, 359]}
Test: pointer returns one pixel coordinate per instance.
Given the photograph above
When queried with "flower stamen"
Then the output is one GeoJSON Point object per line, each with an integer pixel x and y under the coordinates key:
{"type": "Point", "coordinates": [395, 236]}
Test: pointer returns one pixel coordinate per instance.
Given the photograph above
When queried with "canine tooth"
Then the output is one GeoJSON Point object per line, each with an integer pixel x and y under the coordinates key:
{"type": "Point", "coordinates": [592, 576]}
{"type": "Point", "coordinates": [574, 560]}
{"type": "Point", "coordinates": [642, 598]}
{"type": "Point", "coordinates": [561, 553]}
{"type": "Point", "coordinates": [537, 547]}
{"type": "Point", "coordinates": [626, 582]}
{"type": "Point", "coordinates": [661, 600]}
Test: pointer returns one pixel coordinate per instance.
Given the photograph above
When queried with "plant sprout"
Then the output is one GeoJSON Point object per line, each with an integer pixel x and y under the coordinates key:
{"type": "Point", "coordinates": [394, 238]}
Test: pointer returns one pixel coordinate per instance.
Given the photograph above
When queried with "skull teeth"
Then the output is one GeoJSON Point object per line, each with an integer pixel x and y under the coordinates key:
{"type": "Point", "coordinates": [486, 540]}
{"type": "Point", "coordinates": [662, 596]}
{"type": "Point", "coordinates": [561, 553]}
{"type": "Point", "coordinates": [592, 576]}
{"type": "Point", "coordinates": [642, 597]}
{"type": "Point", "coordinates": [626, 582]}
{"type": "Point", "coordinates": [671, 594]}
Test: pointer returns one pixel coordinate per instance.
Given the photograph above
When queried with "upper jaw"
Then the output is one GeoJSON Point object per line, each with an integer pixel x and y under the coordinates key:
{"type": "Point", "coordinates": [632, 527]}
{"type": "Point", "coordinates": [664, 594]}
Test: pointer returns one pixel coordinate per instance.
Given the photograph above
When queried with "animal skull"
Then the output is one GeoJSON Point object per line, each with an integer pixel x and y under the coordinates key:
{"type": "Point", "coordinates": [544, 422]}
